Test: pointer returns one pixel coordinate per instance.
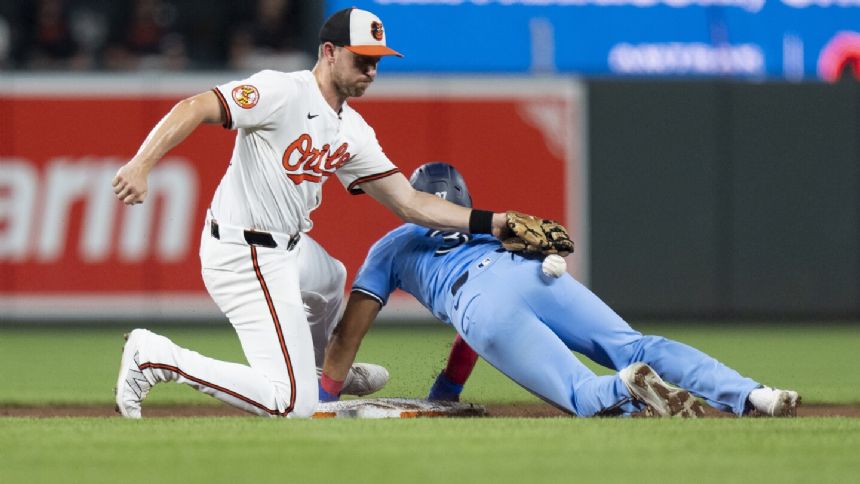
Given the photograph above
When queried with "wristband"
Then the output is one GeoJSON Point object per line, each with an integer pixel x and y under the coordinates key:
{"type": "Point", "coordinates": [331, 386]}
{"type": "Point", "coordinates": [480, 222]}
{"type": "Point", "coordinates": [325, 396]}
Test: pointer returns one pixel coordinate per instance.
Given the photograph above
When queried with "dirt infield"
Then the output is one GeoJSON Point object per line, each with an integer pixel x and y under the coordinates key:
{"type": "Point", "coordinates": [533, 410]}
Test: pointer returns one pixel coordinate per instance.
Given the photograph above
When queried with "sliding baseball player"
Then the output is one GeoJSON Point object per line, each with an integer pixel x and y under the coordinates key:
{"type": "Point", "coordinates": [524, 315]}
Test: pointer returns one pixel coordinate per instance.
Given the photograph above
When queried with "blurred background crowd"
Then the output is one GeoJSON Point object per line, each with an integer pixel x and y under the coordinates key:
{"type": "Point", "coordinates": [794, 40]}
{"type": "Point", "coordinates": [75, 35]}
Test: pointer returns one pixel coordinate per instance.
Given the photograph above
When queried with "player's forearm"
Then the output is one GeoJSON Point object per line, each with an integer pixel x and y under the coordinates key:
{"type": "Point", "coordinates": [434, 212]}
{"type": "Point", "coordinates": [339, 356]}
{"type": "Point", "coordinates": [431, 211]}
{"type": "Point", "coordinates": [173, 128]}
{"type": "Point", "coordinates": [130, 182]}
{"type": "Point", "coordinates": [360, 312]}
{"type": "Point", "coordinates": [428, 210]}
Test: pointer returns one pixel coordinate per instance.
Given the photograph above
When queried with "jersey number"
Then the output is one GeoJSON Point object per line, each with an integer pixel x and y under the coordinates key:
{"type": "Point", "coordinates": [450, 240]}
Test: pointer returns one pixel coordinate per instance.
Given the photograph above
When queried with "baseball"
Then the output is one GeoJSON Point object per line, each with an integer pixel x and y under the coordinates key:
{"type": "Point", "coordinates": [554, 265]}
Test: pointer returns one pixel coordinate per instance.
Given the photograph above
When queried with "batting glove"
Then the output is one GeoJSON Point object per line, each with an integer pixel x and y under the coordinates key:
{"type": "Point", "coordinates": [445, 390]}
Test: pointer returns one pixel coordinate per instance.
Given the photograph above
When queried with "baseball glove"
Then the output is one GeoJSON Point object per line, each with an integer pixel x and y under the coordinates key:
{"type": "Point", "coordinates": [537, 236]}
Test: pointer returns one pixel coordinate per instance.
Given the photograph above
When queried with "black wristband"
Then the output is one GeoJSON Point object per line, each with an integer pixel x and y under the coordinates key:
{"type": "Point", "coordinates": [480, 222]}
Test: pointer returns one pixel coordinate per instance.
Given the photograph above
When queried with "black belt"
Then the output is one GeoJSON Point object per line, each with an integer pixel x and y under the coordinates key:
{"type": "Point", "coordinates": [253, 237]}
{"type": "Point", "coordinates": [459, 283]}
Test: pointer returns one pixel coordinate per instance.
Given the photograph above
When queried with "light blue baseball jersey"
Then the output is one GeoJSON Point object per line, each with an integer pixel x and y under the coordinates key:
{"type": "Point", "coordinates": [423, 262]}
{"type": "Point", "coordinates": [525, 323]}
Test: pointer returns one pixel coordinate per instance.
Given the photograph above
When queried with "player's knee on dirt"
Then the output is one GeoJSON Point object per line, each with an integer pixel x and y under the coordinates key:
{"type": "Point", "coordinates": [299, 395]}
{"type": "Point", "coordinates": [304, 405]}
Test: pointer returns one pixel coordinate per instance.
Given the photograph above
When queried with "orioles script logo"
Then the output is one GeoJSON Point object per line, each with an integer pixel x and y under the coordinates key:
{"type": "Point", "coordinates": [304, 162]}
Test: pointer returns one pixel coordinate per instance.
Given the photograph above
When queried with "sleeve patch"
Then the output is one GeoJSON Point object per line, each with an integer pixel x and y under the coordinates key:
{"type": "Point", "coordinates": [246, 96]}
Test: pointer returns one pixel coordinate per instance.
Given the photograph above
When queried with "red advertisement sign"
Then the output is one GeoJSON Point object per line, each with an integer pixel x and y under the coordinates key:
{"type": "Point", "coordinates": [63, 235]}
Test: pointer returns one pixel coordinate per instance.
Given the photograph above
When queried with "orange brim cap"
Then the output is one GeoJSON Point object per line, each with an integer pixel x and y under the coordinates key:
{"type": "Point", "coordinates": [374, 50]}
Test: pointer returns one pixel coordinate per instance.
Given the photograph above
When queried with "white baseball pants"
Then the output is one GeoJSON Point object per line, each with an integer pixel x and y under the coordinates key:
{"type": "Point", "coordinates": [283, 304]}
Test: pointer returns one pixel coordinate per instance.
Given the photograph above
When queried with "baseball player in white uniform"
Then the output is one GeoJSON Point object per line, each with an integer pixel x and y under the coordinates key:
{"type": "Point", "coordinates": [281, 291]}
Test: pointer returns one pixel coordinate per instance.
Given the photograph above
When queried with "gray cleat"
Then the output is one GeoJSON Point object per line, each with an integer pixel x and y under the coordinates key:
{"type": "Point", "coordinates": [364, 379]}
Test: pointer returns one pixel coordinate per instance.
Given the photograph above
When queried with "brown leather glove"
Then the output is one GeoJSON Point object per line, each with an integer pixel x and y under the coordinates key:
{"type": "Point", "coordinates": [534, 235]}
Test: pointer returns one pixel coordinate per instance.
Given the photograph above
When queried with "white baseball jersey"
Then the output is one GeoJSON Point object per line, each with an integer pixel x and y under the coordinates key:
{"type": "Point", "coordinates": [289, 142]}
{"type": "Point", "coordinates": [281, 292]}
{"type": "Point", "coordinates": [283, 301]}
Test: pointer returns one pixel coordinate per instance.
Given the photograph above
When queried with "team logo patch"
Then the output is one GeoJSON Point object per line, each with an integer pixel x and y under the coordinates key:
{"type": "Point", "coordinates": [376, 30]}
{"type": "Point", "coordinates": [246, 96]}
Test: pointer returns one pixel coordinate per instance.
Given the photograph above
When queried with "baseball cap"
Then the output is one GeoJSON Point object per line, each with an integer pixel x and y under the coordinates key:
{"type": "Point", "coordinates": [357, 30]}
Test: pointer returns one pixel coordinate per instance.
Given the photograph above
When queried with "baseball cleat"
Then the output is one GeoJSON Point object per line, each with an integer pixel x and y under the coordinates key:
{"type": "Point", "coordinates": [773, 402]}
{"type": "Point", "coordinates": [664, 400]}
{"type": "Point", "coordinates": [131, 384]}
{"type": "Point", "coordinates": [364, 379]}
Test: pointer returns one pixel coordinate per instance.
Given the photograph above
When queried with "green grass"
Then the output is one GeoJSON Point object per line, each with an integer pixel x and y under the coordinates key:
{"type": "Point", "coordinates": [49, 366]}
{"type": "Point", "coordinates": [75, 365]}
{"type": "Point", "coordinates": [435, 450]}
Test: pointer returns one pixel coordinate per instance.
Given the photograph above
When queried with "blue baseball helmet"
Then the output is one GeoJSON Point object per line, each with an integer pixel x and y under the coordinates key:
{"type": "Point", "coordinates": [443, 180]}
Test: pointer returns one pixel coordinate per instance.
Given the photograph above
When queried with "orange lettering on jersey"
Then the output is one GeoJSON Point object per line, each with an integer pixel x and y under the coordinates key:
{"type": "Point", "coordinates": [303, 162]}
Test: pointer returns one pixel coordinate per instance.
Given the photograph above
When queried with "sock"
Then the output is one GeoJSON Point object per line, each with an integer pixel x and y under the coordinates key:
{"type": "Point", "coordinates": [461, 362]}
{"type": "Point", "coordinates": [444, 389]}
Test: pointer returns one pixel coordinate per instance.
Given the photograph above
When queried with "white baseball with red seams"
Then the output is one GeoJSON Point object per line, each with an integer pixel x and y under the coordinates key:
{"type": "Point", "coordinates": [282, 303]}
{"type": "Point", "coordinates": [554, 265]}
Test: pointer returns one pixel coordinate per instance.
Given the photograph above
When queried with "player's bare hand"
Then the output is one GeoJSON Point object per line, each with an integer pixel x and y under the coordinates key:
{"type": "Point", "coordinates": [500, 228]}
{"type": "Point", "coordinates": [129, 184]}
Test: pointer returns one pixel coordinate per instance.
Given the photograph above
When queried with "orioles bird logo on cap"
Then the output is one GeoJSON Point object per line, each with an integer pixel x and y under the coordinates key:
{"type": "Point", "coordinates": [376, 30]}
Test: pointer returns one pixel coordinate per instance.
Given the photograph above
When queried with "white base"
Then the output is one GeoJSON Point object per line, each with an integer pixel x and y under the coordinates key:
{"type": "Point", "coordinates": [397, 408]}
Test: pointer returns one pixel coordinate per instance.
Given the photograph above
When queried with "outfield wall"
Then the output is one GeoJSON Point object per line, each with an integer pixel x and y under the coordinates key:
{"type": "Point", "coordinates": [719, 199]}
{"type": "Point", "coordinates": [70, 250]}
{"type": "Point", "coordinates": [703, 199]}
